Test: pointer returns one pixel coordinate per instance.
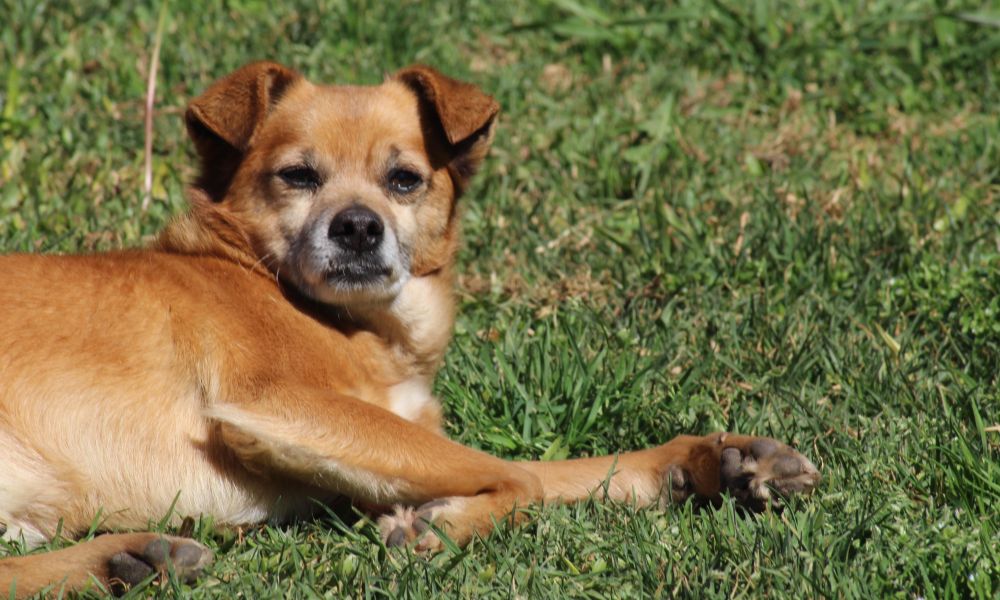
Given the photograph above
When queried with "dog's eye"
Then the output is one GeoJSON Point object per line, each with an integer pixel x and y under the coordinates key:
{"type": "Point", "coordinates": [301, 177]}
{"type": "Point", "coordinates": [404, 181]}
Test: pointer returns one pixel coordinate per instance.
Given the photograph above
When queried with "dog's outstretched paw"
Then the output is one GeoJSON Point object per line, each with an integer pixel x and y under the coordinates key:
{"type": "Point", "coordinates": [186, 558]}
{"type": "Point", "coordinates": [406, 525]}
{"type": "Point", "coordinates": [759, 472]}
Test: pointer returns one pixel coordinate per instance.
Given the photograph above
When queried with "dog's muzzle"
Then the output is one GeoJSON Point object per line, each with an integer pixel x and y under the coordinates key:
{"type": "Point", "coordinates": [350, 256]}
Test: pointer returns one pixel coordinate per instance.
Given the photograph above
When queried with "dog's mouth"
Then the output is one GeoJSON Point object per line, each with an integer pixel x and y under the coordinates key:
{"type": "Point", "coordinates": [357, 275]}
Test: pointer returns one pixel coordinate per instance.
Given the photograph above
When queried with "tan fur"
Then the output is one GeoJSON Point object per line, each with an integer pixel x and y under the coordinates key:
{"type": "Point", "coordinates": [219, 372]}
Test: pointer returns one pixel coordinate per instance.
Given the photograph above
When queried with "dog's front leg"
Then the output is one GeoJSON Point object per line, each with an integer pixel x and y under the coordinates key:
{"type": "Point", "coordinates": [751, 469]}
{"type": "Point", "coordinates": [347, 446]}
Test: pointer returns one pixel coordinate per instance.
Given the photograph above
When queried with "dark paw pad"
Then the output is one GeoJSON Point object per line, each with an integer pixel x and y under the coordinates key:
{"type": "Point", "coordinates": [405, 525]}
{"type": "Point", "coordinates": [185, 558]}
{"type": "Point", "coordinates": [677, 485]}
{"type": "Point", "coordinates": [126, 571]}
{"type": "Point", "coordinates": [427, 512]}
{"type": "Point", "coordinates": [396, 537]}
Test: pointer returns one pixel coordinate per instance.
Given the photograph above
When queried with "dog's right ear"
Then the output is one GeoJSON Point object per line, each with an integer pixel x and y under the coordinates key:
{"type": "Point", "coordinates": [223, 120]}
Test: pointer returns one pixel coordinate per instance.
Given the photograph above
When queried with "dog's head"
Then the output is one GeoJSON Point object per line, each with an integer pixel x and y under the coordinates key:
{"type": "Point", "coordinates": [345, 192]}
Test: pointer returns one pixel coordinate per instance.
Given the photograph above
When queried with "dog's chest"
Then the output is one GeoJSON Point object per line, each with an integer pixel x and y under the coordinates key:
{"type": "Point", "coordinates": [411, 398]}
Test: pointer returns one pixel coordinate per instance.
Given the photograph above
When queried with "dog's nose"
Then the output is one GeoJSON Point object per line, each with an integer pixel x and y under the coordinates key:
{"type": "Point", "coordinates": [357, 228]}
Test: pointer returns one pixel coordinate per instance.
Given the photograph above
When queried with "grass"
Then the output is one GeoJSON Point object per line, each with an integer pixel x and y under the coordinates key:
{"type": "Point", "coordinates": [778, 218]}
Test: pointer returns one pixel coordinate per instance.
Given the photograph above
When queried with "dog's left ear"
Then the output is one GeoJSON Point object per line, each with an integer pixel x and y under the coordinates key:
{"type": "Point", "coordinates": [465, 114]}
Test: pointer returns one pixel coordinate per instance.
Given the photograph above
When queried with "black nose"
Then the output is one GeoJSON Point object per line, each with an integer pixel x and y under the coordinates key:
{"type": "Point", "coordinates": [357, 228]}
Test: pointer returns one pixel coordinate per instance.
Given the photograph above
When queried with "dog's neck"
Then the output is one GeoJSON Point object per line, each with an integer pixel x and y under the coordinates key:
{"type": "Point", "coordinates": [206, 230]}
{"type": "Point", "coordinates": [418, 323]}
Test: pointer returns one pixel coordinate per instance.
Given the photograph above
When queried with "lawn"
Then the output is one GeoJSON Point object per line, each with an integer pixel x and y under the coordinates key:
{"type": "Point", "coordinates": [778, 218]}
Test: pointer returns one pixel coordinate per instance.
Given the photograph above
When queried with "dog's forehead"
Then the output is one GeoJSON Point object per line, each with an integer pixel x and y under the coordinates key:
{"type": "Point", "coordinates": [348, 119]}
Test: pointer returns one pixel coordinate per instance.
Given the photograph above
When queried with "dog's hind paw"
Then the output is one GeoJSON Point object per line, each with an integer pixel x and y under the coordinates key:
{"type": "Point", "coordinates": [406, 525]}
{"type": "Point", "coordinates": [184, 557]}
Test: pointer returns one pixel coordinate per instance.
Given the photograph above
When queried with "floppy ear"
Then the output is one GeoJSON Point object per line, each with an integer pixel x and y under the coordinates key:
{"type": "Point", "coordinates": [222, 121]}
{"type": "Point", "coordinates": [463, 112]}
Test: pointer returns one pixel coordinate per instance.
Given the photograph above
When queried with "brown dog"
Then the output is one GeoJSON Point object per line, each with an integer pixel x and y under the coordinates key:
{"type": "Point", "coordinates": [278, 344]}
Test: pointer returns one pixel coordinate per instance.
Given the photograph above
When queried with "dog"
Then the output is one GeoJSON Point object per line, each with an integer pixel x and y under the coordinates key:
{"type": "Point", "coordinates": [276, 346]}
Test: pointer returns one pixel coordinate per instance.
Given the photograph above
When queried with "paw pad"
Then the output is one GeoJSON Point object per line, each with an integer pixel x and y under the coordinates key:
{"type": "Point", "coordinates": [186, 557]}
{"type": "Point", "coordinates": [406, 525]}
{"type": "Point", "coordinates": [677, 485]}
{"type": "Point", "coordinates": [766, 471]}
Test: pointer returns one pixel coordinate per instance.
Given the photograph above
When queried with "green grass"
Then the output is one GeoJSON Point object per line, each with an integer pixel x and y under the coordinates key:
{"type": "Point", "coordinates": [778, 218]}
